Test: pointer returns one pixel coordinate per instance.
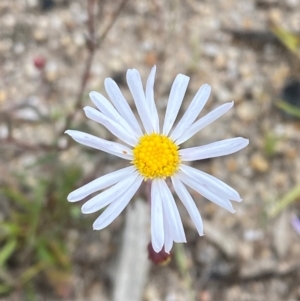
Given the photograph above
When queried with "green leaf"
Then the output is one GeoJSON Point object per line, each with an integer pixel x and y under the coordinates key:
{"type": "Point", "coordinates": [15, 196]}
{"type": "Point", "coordinates": [288, 108]}
{"type": "Point", "coordinates": [4, 289]}
{"type": "Point", "coordinates": [285, 201]}
{"type": "Point", "coordinates": [33, 271]}
{"type": "Point", "coordinates": [44, 254]}
{"type": "Point", "coordinates": [8, 230]}
{"type": "Point", "coordinates": [270, 143]}
{"type": "Point", "coordinates": [60, 254]}
{"type": "Point", "coordinates": [288, 39]}
{"type": "Point", "coordinates": [7, 251]}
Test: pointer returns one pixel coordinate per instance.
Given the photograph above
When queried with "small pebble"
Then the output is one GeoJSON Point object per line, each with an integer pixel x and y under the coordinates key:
{"type": "Point", "coordinates": [253, 235]}
{"type": "Point", "coordinates": [231, 165]}
{"type": "Point", "coordinates": [32, 3]}
{"type": "Point", "coordinates": [5, 45]}
{"type": "Point", "coordinates": [19, 48]}
{"type": "Point", "coordinates": [292, 3]}
{"type": "Point", "coordinates": [259, 163]}
{"type": "Point", "coordinates": [39, 35]}
{"type": "Point", "coordinates": [51, 72]}
{"type": "Point", "coordinates": [3, 96]}
{"type": "Point", "coordinates": [247, 112]}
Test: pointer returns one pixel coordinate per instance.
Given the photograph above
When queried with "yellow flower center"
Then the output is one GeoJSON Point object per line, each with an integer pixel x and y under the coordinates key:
{"type": "Point", "coordinates": [156, 156]}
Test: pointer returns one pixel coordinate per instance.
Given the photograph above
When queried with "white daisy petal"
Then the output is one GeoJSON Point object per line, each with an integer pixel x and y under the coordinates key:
{"type": "Point", "coordinates": [189, 204]}
{"type": "Point", "coordinates": [200, 188]}
{"type": "Point", "coordinates": [168, 233]}
{"type": "Point", "coordinates": [136, 88]}
{"type": "Point", "coordinates": [204, 121]}
{"type": "Point", "coordinates": [121, 104]}
{"type": "Point", "coordinates": [100, 183]}
{"type": "Point", "coordinates": [215, 149]}
{"type": "Point", "coordinates": [108, 196]}
{"type": "Point", "coordinates": [108, 109]}
{"type": "Point", "coordinates": [110, 147]}
{"type": "Point", "coordinates": [157, 219]}
{"type": "Point", "coordinates": [104, 105]}
{"type": "Point", "coordinates": [171, 210]}
{"type": "Point", "coordinates": [192, 111]}
{"type": "Point", "coordinates": [150, 100]}
{"type": "Point", "coordinates": [117, 206]}
{"type": "Point", "coordinates": [111, 125]}
{"type": "Point", "coordinates": [175, 99]}
{"type": "Point", "coordinates": [213, 184]}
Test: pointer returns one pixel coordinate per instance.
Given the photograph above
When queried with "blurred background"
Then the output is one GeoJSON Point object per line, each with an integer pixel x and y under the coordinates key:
{"type": "Point", "coordinates": [53, 53]}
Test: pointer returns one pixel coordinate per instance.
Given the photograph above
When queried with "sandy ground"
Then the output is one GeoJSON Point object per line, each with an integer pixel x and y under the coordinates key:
{"type": "Point", "coordinates": [228, 44]}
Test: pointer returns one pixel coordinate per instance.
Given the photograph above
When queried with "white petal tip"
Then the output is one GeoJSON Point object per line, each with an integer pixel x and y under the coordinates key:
{"type": "Point", "coordinates": [67, 132]}
{"type": "Point", "coordinates": [93, 95]}
{"type": "Point", "coordinates": [207, 86]}
{"type": "Point", "coordinates": [84, 211]}
{"type": "Point", "coordinates": [87, 108]}
{"type": "Point", "coordinates": [238, 200]}
{"type": "Point", "coordinates": [108, 82]}
{"type": "Point", "coordinates": [182, 240]}
{"type": "Point", "coordinates": [71, 198]}
{"type": "Point", "coordinates": [183, 77]}
{"type": "Point", "coordinates": [156, 249]}
{"type": "Point", "coordinates": [167, 251]}
{"type": "Point", "coordinates": [131, 71]}
{"type": "Point", "coordinates": [95, 227]}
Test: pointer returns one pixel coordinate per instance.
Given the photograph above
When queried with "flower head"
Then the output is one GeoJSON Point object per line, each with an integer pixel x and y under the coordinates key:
{"type": "Point", "coordinates": [155, 155]}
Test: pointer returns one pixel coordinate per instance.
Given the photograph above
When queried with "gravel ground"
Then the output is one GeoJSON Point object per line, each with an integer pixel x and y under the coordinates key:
{"type": "Point", "coordinates": [228, 44]}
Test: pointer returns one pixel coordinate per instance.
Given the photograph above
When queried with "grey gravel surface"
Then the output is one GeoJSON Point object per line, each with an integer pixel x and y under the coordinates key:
{"type": "Point", "coordinates": [226, 43]}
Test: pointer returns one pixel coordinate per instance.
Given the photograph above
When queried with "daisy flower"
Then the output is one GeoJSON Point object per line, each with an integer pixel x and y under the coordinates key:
{"type": "Point", "coordinates": [154, 154]}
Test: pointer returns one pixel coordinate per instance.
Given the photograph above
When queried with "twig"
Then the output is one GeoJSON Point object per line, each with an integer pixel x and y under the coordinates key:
{"type": "Point", "coordinates": [112, 21]}
{"type": "Point", "coordinates": [183, 266]}
{"type": "Point", "coordinates": [92, 45]}
{"type": "Point", "coordinates": [133, 266]}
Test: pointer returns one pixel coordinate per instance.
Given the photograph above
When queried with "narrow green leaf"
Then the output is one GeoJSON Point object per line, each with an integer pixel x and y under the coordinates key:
{"type": "Point", "coordinates": [8, 230]}
{"type": "Point", "coordinates": [7, 251]}
{"type": "Point", "coordinates": [288, 39]}
{"type": "Point", "coordinates": [33, 271]}
{"type": "Point", "coordinates": [4, 289]}
{"type": "Point", "coordinates": [15, 196]}
{"type": "Point", "coordinates": [288, 108]}
{"type": "Point", "coordinates": [281, 204]}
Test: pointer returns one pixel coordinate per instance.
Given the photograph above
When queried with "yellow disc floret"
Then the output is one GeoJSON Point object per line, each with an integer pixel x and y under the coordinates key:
{"type": "Point", "coordinates": [156, 156]}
